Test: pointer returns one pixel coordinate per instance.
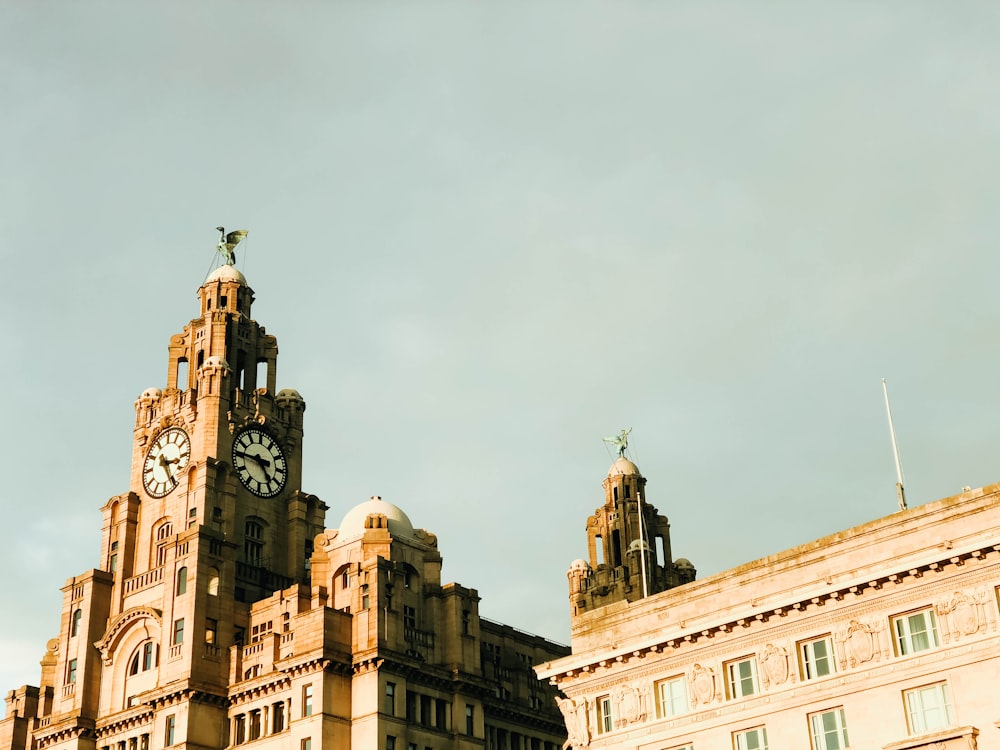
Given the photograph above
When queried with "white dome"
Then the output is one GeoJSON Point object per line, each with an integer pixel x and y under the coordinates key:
{"type": "Point", "coordinates": [579, 564]}
{"type": "Point", "coordinates": [289, 393]}
{"type": "Point", "coordinates": [353, 524]}
{"type": "Point", "coordinates": [151, 393]}
{"type": "Point", "coordinates": [216, 361]}
{"type": "Point", "coordinates": [227, 272]}
{"type": "Point", "coordinates": [623, 466]}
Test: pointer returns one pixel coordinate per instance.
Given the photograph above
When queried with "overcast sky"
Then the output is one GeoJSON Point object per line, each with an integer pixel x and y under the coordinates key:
{"type": "Point", "coordinates": [487, 234]}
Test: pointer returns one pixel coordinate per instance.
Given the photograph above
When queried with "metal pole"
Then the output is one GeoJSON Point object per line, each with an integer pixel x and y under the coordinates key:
{"type": "Point", "coordinates": [642, 540]}
{"type": "Point", "coordinates": [900, 493]}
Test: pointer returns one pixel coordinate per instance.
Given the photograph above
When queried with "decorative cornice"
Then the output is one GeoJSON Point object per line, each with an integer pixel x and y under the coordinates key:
{"type": "Point", "coordinates": [690, 636]}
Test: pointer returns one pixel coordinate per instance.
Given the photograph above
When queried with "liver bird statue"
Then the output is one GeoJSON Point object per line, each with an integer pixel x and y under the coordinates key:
{"type": "Point", "coordinates": [228, 242]}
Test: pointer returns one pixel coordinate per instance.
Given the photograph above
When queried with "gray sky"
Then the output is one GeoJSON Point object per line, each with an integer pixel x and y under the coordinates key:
{"type": "Point", "coordinates": [487, 234]}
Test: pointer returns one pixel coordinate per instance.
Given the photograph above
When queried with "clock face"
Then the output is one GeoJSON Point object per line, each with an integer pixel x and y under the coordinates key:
{"type": "Point", "coordinates": [165, 460]}
{"type": "Point", "coordinates": [259, 462]}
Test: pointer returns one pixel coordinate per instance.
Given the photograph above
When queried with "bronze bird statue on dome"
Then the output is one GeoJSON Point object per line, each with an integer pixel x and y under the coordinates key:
{"type": "Point", "coordinates": [228, 242]}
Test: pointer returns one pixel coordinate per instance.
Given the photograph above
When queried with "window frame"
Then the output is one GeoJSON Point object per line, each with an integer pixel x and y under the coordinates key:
{"type": "Point", "coordinates": [904, 637]}
{"type": "Point", "coordinates": [809, 661]}
{"type": "Point", "coordinates": [819, 732]}
{"type": "Point", "coordinates": [605, 718]}
{"type": "Point", "coordinates": [740, 738]}
{"type": "Point", "coordinates": [732, 681]}
{"type": "Point", "coordinates": [672, 699]}
{"type": "Point", "coordinates": [943, 691]}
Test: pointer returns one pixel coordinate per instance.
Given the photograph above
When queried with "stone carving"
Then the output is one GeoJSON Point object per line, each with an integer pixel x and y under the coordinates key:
{"type": "Point", "coordinates": [775, 663]}
{"type": "Point", "coordinates": [629, 705]}
{"type": "Point", "coordinates": [577, 727]}
{"type": "Point", "coordinates": [860, 642]}
{"type": "Point", "coordinates": [702, 682]}
{"type": "Point", "coordinates": [962, 615]}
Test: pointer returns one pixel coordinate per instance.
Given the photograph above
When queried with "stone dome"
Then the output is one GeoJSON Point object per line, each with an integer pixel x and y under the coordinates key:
{"type": "Point", "coordinates": [227, 272]}
{"type": "Point", "coordinates": [579, 565]}
{"type": "Point", "coordinates": [623, 466]}
{"type": "Point", "coordinates": [683, 562]}
{"type": "Point", "coordinates": [151, 393]}
{"type": "Point", "coordinates": [353, 524]}
{"type": "Point", "coordinates": [289, 394]}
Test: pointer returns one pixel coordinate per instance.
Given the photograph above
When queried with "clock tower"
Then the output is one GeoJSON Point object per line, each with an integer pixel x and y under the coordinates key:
{"type": "Point", "coordinates": [214, 519]}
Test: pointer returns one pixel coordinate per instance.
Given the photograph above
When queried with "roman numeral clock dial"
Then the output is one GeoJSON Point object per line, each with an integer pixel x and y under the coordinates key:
{"type": "Point", "coordinates": [165, 460]}
{"type": "Point", "coordinates": [259, 462]}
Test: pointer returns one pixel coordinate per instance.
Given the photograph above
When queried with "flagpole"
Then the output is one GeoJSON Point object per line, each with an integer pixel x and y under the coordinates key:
{"type": "Point", "coordinates": [900, 493]}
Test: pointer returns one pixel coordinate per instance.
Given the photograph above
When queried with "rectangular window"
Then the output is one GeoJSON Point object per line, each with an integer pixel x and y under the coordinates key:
{"type": "Point", "coordinates": [671, 697]}
{"type": "Point", "coordinates": [411, 706]}
{"type": "Point", "coordinates": [751, 739]}
{"type": "Point", "coordinates": [829, 730]}
{"type": "Point", "coordinates": [171, 728]}
{"type": "Point", "coordinates": [817, 658]}
{"type": "Point", "coordinates": [278, 717]}
{"type": "Point", "coordinates": [306, 744]}
{"type": "Point", "coordinates": [71, 671]}
{"type": "Point", "coordinates": [470, 714]}
{"type": "Point", "coordinates": [178, 636]}
{"type": "Point", "coordinates": [742, 678]}
{"type": "Point", "coordinates": [604, 723]}
{"type": "Point", "coordinates": [390, 698]}
{"type": "Point", "coordinates": [915, 632]}
{"type": "Point", "coordinates": [113, 565]}
{"type": "Point", "coordinates": [307, 700]}
{"type": "Point", "coordinates": [211, 630]}
{"type": "Point", "coordinates": [240, 729]}
{"type": "Point", "coordinates": [409, 617]}
{"type": "Point", "coordinates": [390, 742]}
{"type": "Point", "coordinates": [928, 708]}
{"type": "Point", "coordinates": [255, 725]}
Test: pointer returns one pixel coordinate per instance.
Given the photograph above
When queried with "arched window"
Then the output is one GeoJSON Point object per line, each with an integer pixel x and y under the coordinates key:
{"type": "Point", "coordinates": [213, 581]}
{"type": "Point", "coordinates": [253, 543]}
{"type": "Point", "coordinates": [74, 628]}
{"type": "Point", "coordinates": [182, 581]}
{"type": "Point", "coordinates": [144, 659]}
{"type": "Point", "coordinates": [163, 533]}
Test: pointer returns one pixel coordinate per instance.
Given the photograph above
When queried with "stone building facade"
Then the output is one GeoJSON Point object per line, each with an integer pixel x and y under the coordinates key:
{"type": "Point", "coordinates": [881, 636]}
{"type": "Point", "coordinates": [223, 613]}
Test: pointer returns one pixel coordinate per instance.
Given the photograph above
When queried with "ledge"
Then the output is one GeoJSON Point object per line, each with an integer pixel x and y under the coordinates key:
{"type": "Point", "coordinates": [933, 739]}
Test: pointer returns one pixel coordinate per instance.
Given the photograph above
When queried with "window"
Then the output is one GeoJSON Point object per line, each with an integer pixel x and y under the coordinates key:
{"type": "Point", "coordinates": [470, 715]}
{"type": "Point", "coordinates": [143, 659]}
{"type": "Point", "coordinates": [817, 658]}
{"type": "Point", "coordinates": [915, 632]}
{"type": "Point", "coordinates": [74, 628]}
{"type": "Point", "coordinates": [307, 700]}
{"type": "Point", "coordinates": [390, 742]}
{"type": "Point", "coordinates": [253, 544]}
{"type": "Point", "coordinates": [254, 726]}
{"type": "Point", "coordinates": [604, 714]}
{"type": "Point", "coordinates": [240, 730]}
{"type": "Point", "coordinates": [671, 697]}
{"type": "Point", "coordinates": [306, 744]}
{"type": "Point", "coordinates": [390, 698]}
{"type": "Point", "coordinates": [213, 581]}
{"type": "Point", "coordinates": [171, 727]}
{"type": "Point", "coordinates": [751, 739]}
{"type": "Point", "coordinates": [277, 717]}
{"type": "Point", "coordinates": [344, 580]}
{"type": "Point", "coordinates": [178, 636]}
{"type": "Point", "coordinates": [409, 617]}
{"type": "Point", "coordinates": [829, 730]}
{"type": "Point", "coordinates": [928, 708]}
{"type": "Point", "coordinates": [742, 678]}
{"type": "Point", "coordinates": [182, 581]}
{"type": "Point", "coordinates": [71, 672]}
{"type": "Point", "coordinates": [211, 630]}
{"type": "Point", "coordinates": [365, 601]}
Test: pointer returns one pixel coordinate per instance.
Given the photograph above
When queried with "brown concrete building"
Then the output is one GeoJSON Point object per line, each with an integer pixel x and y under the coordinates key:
{"type": "Point", "coordinates": [224, 614]}
{"type": "Point", "coordinates": [881, 636]}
